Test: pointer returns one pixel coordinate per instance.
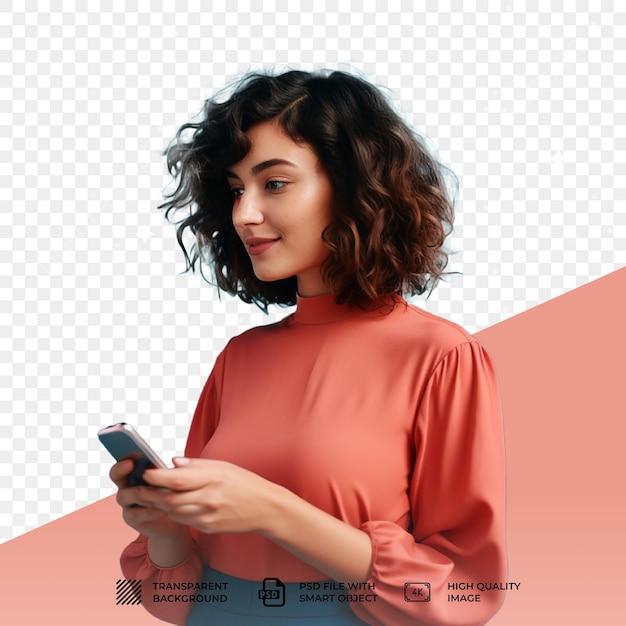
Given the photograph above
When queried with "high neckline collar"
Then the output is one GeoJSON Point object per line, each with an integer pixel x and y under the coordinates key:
{"type": "Point", "coordinates": [324, 309]}
{"type": "Point", "coordinates": [321, 310]}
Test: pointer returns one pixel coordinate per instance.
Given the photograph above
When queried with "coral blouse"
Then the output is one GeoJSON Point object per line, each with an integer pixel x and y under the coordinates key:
{"type": "Point", "coordinates": [390, 421]}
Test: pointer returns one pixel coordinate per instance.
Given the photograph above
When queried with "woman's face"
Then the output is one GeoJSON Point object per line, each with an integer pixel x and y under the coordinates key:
{"type": "Point", "coordinates": [282, 204]}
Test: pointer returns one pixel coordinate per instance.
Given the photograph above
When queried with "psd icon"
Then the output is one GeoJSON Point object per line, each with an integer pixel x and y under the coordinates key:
{"type": "Point", "coordinates": [273, 592]}
{"type": "Point", "coordinates": [417, 592]}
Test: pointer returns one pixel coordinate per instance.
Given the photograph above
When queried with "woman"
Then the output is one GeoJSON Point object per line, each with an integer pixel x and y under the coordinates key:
{"type": "Point", "coordinates": [347, 461]}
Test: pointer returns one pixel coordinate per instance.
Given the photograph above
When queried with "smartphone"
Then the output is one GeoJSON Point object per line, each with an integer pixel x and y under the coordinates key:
{"type": "Point", "coordinates": [123, 442]}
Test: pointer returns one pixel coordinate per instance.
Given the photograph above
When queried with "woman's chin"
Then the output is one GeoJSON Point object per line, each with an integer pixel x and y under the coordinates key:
{"type": "Point", "coordinates": [269, 277]}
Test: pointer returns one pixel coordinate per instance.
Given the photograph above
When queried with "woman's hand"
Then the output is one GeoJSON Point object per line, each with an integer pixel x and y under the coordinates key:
{"type": "Point", "coordinates": [219, 497]}
{"type": "Point", "coordinates": [143, 517]}
{"type": "Point", "coordinates": [210, 496]}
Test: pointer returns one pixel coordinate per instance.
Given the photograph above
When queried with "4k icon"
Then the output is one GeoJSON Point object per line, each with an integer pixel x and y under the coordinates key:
{"type": "Point", "coordinates": [417, 592]}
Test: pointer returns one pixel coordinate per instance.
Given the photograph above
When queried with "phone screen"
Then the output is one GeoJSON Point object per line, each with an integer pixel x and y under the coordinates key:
{"type": "Point", "coordinates": [123, 442]}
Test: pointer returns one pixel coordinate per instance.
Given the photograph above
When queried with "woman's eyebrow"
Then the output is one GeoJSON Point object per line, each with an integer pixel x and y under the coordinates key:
{"type": "Point", "coordinates": [257, 169]}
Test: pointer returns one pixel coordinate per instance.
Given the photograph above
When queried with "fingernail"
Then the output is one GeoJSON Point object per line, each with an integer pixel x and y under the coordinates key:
{"type": "Point", "coordinates": [180, 460]}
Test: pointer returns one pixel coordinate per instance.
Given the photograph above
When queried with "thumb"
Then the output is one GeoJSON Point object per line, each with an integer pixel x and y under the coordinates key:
{"type": "Point", "coordinates": [181, 461]}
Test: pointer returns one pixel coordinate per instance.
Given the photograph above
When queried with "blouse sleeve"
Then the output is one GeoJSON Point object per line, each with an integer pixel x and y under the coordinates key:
{"type": "Point", "coordinates": [135, 561]}
{"type": "Point", "coordinates": [457, 493]}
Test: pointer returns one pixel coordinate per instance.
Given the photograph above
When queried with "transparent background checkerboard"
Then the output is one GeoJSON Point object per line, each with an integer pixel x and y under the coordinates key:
{"type": "Point", "coordinates": [98, 324]}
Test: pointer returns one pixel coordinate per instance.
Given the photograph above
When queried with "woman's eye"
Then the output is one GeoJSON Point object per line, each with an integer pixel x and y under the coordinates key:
{"type": "Point", "coordinates": [236, 192]}
{"type": "Point", "coordinates": [275, 185]}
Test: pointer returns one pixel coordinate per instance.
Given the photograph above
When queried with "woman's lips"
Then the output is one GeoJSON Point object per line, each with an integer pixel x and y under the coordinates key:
{"type": "Point", "coordinates": [259, 246]}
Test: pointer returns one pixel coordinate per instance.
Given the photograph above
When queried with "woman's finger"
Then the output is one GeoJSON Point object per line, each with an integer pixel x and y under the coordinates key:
{"type": "Point", "coordinates": [132, 496]}
{"type": "Point", "coordinates": [120, 471]}
{"type": "Point", "coordinates": [140, 515]}
{"type": "Point", "coordinates": [188, 474]}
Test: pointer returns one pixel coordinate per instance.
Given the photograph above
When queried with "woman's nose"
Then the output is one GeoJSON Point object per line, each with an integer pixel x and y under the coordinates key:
{"type": "Point", "coordinates": [247, 209]}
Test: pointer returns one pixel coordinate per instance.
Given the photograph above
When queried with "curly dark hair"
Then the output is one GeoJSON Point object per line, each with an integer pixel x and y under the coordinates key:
{"type": "Point", "coordinates": [392, 210]}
